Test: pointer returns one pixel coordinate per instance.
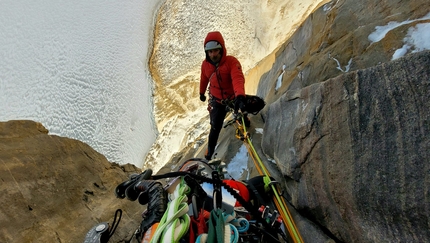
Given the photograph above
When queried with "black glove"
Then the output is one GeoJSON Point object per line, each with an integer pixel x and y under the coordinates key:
{"type": "Point", "coordinates": [239, 103]}
{"type": "Point", "coordinates": [202, 97]}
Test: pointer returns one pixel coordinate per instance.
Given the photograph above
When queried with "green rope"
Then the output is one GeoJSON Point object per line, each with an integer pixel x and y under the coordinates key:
{"type": "Point", "coordinates": [216, 229]}
{"type": "Point", "coordinates": [175, 222]}
{"type": "Point", "coordinates": [294, 232]}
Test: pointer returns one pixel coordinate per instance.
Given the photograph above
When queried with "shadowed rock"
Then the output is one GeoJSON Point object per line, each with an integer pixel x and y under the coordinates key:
{"type": "Point", "coordinates": [356, 148]}
{"type": "Point", "coordinates": [55, 189]}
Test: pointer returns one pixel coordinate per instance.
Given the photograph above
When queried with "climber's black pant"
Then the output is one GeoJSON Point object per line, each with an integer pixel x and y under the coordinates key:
{"type": "Point", "coordinates": [217, 116]}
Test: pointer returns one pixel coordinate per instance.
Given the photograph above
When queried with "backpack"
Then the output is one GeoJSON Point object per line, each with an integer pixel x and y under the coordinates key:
{"type": "Point", "coordinates": [254, 104]}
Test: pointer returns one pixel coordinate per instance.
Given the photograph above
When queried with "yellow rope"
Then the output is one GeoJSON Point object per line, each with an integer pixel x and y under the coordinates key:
{"type": "Point", "coordinates": [279, 201]}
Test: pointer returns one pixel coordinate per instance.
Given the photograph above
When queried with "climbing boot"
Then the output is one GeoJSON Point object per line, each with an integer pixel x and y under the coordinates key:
{"type": "Point", "coordinates": [121, 189]}
{"type": "Point", "coordinates": [145, 187]}
{"type": "Point", "coordinates": [156, 198]}
{"type": "Point", "coordinates": [208, 154]}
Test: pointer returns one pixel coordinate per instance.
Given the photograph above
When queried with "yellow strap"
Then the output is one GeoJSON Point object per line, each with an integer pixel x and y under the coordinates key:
{"type": "Point", "coordinates": [279, 201]}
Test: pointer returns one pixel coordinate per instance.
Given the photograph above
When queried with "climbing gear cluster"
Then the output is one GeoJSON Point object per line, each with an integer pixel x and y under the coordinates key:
{"type": "Point", "coordinates": [197, 203]}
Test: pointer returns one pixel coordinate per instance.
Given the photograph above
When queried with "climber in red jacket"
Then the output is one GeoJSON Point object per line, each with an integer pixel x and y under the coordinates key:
{"type": "Point", "coordinates": [226, 83]}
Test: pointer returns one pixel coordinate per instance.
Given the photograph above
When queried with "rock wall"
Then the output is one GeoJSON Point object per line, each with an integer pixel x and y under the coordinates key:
{"type": "Point", "coordinates": [355, 149]}
{"type": "Point", "coordinates": [348, 127]}
{"type": "Point", "coordinates": [55, 189]}
{"type": "Point", "coordinates": [340, 37]}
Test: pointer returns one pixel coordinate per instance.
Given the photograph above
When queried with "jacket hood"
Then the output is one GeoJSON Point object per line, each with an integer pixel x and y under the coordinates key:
{"type": "Point", "coordinates": [216, 36]}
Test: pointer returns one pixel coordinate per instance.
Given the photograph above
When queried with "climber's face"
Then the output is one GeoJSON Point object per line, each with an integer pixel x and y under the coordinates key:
{"type": "Point", "coordinates": [215, 55]}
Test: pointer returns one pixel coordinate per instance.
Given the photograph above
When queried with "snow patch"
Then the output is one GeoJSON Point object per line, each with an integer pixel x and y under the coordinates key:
{"type": "Point", "coordinates": [329, 6]}
{"type": "Point", "coordinates": [80, 69]}
{"type": "Point", "coordinates": [279, 81]}
{"type": "Point", "coordinates": [417, 39]}
{"type": "Point", "coordinates": [259, 130]}
{"type": "Point", "coordinates": [238, 164]}
{"type": "Point", "coordinates": [339, 67]}
{"type": "Point", "coordinates": [381, 31]}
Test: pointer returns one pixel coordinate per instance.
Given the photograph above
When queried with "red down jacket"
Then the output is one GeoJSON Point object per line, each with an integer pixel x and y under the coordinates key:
{"type": "Point", "coordinates": [226, 81]}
